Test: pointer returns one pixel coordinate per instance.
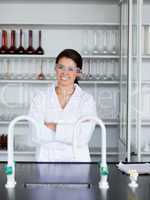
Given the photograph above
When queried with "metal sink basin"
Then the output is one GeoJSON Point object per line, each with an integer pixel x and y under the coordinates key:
{"type": "Point", "coordinates": [57, 185]}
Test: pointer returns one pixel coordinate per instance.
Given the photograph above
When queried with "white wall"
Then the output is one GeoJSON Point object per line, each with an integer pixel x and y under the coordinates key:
{"type": "Point", "coordinates": [58, 13]}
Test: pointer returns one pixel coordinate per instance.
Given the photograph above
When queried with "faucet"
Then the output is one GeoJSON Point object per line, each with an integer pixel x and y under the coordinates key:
{"type": "Point", "coordinates": [10, 168]}
{"type": "Point", "coordinates": [103, 184]}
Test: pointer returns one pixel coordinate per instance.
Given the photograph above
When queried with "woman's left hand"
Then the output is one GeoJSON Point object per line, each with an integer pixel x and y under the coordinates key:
{"type": "Point", "coordinates": [50, 125]}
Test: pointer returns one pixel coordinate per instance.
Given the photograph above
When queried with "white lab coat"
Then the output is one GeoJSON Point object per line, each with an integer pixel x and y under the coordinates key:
{"type": "Point", "coordinates": [57, 145]}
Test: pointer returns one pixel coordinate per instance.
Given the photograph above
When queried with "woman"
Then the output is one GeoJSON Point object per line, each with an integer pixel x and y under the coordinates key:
{"type": "Point", "coordinates": [59, 108]}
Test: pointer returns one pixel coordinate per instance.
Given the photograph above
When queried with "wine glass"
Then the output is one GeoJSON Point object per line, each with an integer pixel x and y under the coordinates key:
{"type": "Point", "coordinates": [115, 41]}
{"type": "Point", "coordinates": [85, 40]}
{"type": "Point", "coordinates": [98, 76]}
{"type": "Point", "coordinates": [114, 75]}
{"type": "Point", "coordinates": [84, 70]}
{"type": "Point", "coordinates": [7, 73]}
{"type": "Point", "coordinates": [95, 37]}
{"type": "Point", "coordinates": [30, 49]}
{"type": "Point", "coordinates": [41, 75]}
{"type": "Point", "coordinates": [89, 74]}
{"type": "Point", "coordinates": [51, 65]}
{"type": "Point", "coordinates": [47, 73]}
{"type": "Point", "coordinates": [20, 49]}
{"type": "Point", "coordinates": [39, 50]}
{"type": "Point", "coordinates": [12, 49]}
{"type": "Point", "coordinates": [105, 41]}
{"type": "Point", "coordinates": [103, 66]}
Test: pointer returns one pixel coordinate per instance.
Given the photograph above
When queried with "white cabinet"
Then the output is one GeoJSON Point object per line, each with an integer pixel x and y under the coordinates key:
{"type": "Point", "coordinates": [95, 35]}
{"type": "Point", "coordinates": [135, 79]}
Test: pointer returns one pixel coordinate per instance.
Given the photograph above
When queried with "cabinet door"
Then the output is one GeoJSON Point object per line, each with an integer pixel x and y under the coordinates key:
{"type": "Point", "coordinates": [134, 97]}
{"type": "Point", "coordinates": [130, 85]}
{"type": "Point", "coordinates": [123, 78]}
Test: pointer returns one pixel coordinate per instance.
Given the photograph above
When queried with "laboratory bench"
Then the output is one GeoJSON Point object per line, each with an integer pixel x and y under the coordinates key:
{"type": "Point", "coordinates": [74, 181]}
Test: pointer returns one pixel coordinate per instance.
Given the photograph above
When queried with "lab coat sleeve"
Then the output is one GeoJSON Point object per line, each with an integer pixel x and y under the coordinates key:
{"type": "Point", "coordinates": [37, 112]}
{"type": "Point", "coordinates": [64, 132]}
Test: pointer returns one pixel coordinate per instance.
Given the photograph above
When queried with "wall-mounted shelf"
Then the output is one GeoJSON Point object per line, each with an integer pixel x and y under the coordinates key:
{"type": "Point", "coordinates": [59, 25]}
{"type": "Point", "coordinates": [146, 57]}
{"type": "Point", "coordinates": [15, 56]}
{"type": "Point", "coordinates": [3, 152]}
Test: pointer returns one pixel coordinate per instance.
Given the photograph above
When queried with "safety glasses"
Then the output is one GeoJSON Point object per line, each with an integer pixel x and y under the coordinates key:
{"type": "Point", "coordinates": [67, 69]}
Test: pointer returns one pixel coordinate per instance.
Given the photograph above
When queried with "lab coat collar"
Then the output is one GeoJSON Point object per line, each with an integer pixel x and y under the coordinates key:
{"type": "Point", "coordinates": [74, 100]}
{"type": "Point", "coordinates": [76, 93]}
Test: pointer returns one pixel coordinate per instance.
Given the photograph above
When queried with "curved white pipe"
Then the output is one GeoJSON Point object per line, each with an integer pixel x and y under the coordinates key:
{"type": "Point", "coordinates": [10, 163]}
{"type": "Point", "coordinates": [103, 183]}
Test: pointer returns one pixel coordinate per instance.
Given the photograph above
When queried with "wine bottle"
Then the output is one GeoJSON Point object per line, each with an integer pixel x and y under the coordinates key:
{"type": "Point", "coordinates": [40, 50]}
{"type": "Point", "coordinates": [12, 49]}
{"type": "Point", "coordinates": [4, 47]}
{"type": "Point", "coordinates": [20, 49]}
{"type": "Point", "coordinates": [30, 49]}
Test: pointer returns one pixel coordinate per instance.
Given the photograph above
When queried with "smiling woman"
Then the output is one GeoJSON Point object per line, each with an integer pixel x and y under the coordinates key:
{"type": "Point", "coordinates": [58, 110]}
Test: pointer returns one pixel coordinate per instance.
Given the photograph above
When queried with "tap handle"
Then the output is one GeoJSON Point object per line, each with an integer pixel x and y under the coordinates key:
{"type": "Point", "coordinates": [8, 170]}
{"type": "Point", "coordinates": [104, 171]}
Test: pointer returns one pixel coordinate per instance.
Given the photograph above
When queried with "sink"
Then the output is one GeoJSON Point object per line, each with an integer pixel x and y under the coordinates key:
{"type": "Point", "coordinates": [58, 185]}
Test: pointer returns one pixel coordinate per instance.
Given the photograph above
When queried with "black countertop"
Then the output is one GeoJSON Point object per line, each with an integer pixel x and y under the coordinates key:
{"type": "Point", "coordinates": [74, 181]}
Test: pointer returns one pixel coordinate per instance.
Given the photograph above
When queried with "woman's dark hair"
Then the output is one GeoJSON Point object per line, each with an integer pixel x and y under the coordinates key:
{"type": "Point", "coordinates": [73, 55]}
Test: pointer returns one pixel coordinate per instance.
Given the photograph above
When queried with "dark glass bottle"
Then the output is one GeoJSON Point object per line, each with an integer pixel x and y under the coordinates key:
{"type": "Point", "coordinates": [12, 49]}
{"type": "Point", "coordinates": [40, 50]}
{"type": "Point", "coordinates": [20, 49]}
{"type": "Point", "coordinates": [5, 139]}
{"type": "Point", "coordinates": [30, 49]}
{"type": "Point", "coordinates": [4, 47]}
{"type": "Point", "coordinates": [2, 141]}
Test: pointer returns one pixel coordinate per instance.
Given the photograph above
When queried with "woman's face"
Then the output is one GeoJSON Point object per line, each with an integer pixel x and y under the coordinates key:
{"type": "Point", "coordinates": [66, 71]}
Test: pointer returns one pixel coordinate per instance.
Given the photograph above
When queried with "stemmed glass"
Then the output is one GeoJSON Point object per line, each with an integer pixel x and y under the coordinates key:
{"type": "Point", "coordinates": [104, 68]}
{"type": "Point", "coordinates": [25, 71]}
{"type": "Point", "coordinates": [114, 75]}
{"type": "Point", "coordinates": [96, 37]}
{"type": "Point", "coordinates": [13, 70]}
{"type": "Point", "coordinates": [2, 70]}
{"type": "Point", "coordinates": [47, 73]}
{"type": "Point", "coordinates": [105, 40]}
{"type": "Point", "coordinates": [34, 73]}
{"type": "Point", "coordinates": [7, 73]}
{"type": "Point", "coordinates": [85, 40]}
{"type": "Point", "coordinates": [98, 76]}
{"type": "Point", "coordinates": [90, 69]}
{"type": "Point", "coordinates": [84, 70]}
{"type": "Point", "coordinates": [41, 75]}
{"type": "Point", "coordinates": [52, 69]}
{"type": "Point", "coordinates": [115, 41]}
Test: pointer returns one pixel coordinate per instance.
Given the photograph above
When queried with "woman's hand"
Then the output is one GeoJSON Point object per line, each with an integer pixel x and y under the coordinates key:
{"type": "Point", "coordinates": [50, 125]}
